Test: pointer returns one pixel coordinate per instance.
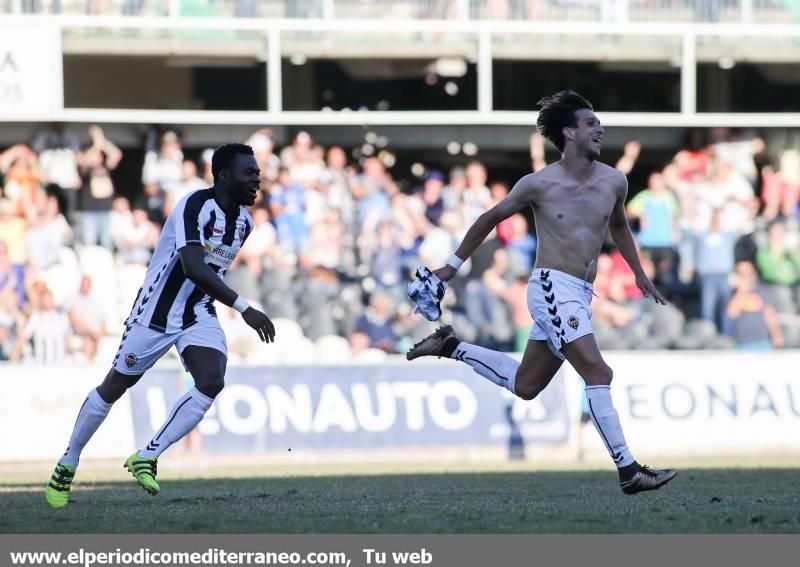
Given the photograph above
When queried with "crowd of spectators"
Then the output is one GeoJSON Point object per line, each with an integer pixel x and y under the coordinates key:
{"type": "Point", "coordinates": [336, 240]}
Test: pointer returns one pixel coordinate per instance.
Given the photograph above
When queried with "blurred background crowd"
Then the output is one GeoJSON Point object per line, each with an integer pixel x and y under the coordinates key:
{"type": "Point", "coordinates": [337, 239]}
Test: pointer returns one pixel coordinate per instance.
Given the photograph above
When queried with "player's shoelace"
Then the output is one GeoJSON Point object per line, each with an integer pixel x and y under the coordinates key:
{"type": "Point", "coordinates": [436, 334]}
{"type": "Point", "coordinates": [647, 471]}
{"type": "Point", "coordinates": [62, 478]}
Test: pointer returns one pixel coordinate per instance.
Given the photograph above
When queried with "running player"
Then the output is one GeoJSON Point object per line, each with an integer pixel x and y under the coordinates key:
{"type": "Point", "coordinates": [175, 306]}
{"type": "Point", "coordinates": [575, 201]}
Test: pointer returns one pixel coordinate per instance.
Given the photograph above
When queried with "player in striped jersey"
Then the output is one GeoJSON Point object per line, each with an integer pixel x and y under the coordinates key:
{"type": "Point", "coordinates": [175, 306]}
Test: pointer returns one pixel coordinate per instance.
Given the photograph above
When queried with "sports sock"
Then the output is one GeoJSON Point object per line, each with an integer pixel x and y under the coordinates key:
{"type": "Point", "coordinates": [186, 414]}
{"type": "Point", "coordinates": [606, 420]}
{"type": "Point", "coordinates": [92, 413]}
{"type": "Point", "coordinates": [495, 366]}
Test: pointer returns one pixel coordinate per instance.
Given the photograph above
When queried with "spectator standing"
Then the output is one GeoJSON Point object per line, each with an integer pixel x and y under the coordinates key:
{"type": "Point", "coordinates": [96, 194]}
{"type": "Point", "coordinates": [58, 151]}
{"type": "Point", "coordinates": [164, 167]}
{"type": "Point", "coordinates": [779, 266]}
{"type": "Point", "coordinates": [715, 264]}
{"type": "Point", "coordinates": [656, 209]}
{"type": "Point", "coordinates": [754, 323]}
{"type": "Point", "coordinates": [21, 180]}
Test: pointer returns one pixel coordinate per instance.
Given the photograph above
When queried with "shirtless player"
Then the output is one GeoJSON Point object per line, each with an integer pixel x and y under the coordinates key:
{"type": "Point", "coordinates": [575, 201]}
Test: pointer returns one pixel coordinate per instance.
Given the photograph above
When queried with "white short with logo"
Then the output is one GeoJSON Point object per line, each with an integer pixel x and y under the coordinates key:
{"type": "Point", "coordinates": [141, 346]}
{"type": "Point", "coordinates": [561, 307]}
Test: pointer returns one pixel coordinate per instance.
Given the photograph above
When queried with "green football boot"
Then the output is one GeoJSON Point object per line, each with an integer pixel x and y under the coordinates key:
{"type": "Point", "coordinates": [57, 493]}
{"type": "Point", "coordinates": [144, 470]}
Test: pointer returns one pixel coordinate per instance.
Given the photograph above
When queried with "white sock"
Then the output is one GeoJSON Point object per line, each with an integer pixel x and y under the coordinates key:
{"type": "Point", "coordinates": [606, 420]}
{"type": "Point", "coordinates": [185, 415]}
{"type": "Point", "coordinates": [492, 365]}
{"type": "Point", "coordinates": [92, 413]}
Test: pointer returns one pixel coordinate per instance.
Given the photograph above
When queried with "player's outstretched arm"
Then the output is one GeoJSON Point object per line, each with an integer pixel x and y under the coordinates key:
{"type": "Point", "coordinates": [519, 196]}
{"type": "Point", "coordinates": [623, 238]}
{"type": "Point", "coordinates": [204, 277]}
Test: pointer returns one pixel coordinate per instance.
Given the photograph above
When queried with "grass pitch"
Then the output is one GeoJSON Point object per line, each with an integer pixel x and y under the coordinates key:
{"type": "Point", "coordinates": [489, 498]}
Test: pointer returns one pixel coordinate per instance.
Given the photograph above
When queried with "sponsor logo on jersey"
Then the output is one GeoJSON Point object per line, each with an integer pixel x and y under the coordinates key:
{"type": "Point", "coordinates": [221, 255]}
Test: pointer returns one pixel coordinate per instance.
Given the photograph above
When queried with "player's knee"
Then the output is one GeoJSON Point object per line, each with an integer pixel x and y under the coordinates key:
{"type": "Point", "coordinates": [115, 385]}
{"type": "Point", "coordinates": [526, 389]}
{"type": "Point", "coordinates": [209, 385]}
{"type": "Point", "coordinates": [601, 375]}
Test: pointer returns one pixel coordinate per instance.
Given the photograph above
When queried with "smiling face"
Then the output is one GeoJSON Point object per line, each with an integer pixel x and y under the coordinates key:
{"type": "Point", "coordinates": [242, 178]}
{"type": "Point", "coordinates": [587, 134]}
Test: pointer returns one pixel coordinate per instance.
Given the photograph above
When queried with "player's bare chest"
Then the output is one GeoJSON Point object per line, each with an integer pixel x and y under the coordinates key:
{"type": "Point", "coordinates": [567, 205]}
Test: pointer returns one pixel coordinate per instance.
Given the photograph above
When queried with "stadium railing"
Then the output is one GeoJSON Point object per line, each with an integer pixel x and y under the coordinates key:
{"type": "Point", "coordinates": [616, 11]}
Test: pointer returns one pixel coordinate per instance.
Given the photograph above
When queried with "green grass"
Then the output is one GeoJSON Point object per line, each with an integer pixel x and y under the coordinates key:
{"type": "Point", "coordinates": [489, 498]}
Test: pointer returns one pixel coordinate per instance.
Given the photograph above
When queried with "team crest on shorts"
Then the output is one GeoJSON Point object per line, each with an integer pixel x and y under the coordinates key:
{"type": "Point", "coordinates": [573, 322]}
{"type": "Point", "coordinates": [130, 359]}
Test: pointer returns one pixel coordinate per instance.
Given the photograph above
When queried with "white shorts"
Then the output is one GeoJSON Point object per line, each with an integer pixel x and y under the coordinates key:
{"type": "Point", "coordinates": [141, 346]}
{"type": "Point", "coordinates": [561, 307]}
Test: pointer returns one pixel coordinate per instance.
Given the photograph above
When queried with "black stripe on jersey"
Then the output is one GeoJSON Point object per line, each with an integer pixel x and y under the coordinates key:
{"type": "Point", "coordinates": [189, 317]}
{"type": "Point", "coordinates": [230, 229]}
{"type": "Point", "coordinates": [191, 214]}
{"type": "Point", "coordinates": [168, 295]}
{"type": "Point", "coordinates": [208, 230]}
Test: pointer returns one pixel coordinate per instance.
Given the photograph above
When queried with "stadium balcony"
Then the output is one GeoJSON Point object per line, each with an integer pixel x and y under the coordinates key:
{"type": "Point", "coordinates": [616, 11]}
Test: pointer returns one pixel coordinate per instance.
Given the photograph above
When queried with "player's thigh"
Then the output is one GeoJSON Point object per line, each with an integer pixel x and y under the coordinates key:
{"type": "Point", "coordinates": [204, 350]}
{"type": "Point", "coordinates": [584, 356]}
{"type": "Point", "coordinates": [537, 369]}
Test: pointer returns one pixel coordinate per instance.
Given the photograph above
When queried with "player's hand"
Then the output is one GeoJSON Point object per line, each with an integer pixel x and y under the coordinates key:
{"type": "Point", "coordinates": [446, 273]}
{"type": "Point", "coordinates": [261, 323]}
{"type": "Point", "coordinates": [649, 289]}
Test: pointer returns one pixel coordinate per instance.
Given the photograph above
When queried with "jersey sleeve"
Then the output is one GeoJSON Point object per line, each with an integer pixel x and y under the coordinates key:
{"type": "Point", "coordinates": [188, 218]}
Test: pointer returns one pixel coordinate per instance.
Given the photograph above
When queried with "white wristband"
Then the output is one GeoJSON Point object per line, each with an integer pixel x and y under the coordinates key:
{"type": "Point", "coordinates": [241, 304]}
{"type": "Point", "coordinates": [455, 262]}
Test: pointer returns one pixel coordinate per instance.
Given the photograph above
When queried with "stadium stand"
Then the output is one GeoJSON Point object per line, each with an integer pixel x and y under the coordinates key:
{"type": "Point", "coordinates": [330, 295]}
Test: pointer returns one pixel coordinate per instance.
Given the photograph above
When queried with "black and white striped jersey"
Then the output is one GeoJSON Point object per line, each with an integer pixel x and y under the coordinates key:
{"type": "Point", "coordinates": [168, 301]}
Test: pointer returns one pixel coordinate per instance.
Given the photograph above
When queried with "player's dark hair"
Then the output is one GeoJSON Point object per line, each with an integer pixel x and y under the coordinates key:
{"type": "Point", "coordinates": [224, 155]}
{"type": "Point", "coordinates": [558, 112]}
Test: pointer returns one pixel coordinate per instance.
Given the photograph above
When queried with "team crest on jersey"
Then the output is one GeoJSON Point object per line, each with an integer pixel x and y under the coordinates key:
{"type": "Point", "coordinates": [130, 359]}
{"type": "Point", "coordinates": [241, 233]}
{"type": "Point", "coordinates": [573, 322]}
